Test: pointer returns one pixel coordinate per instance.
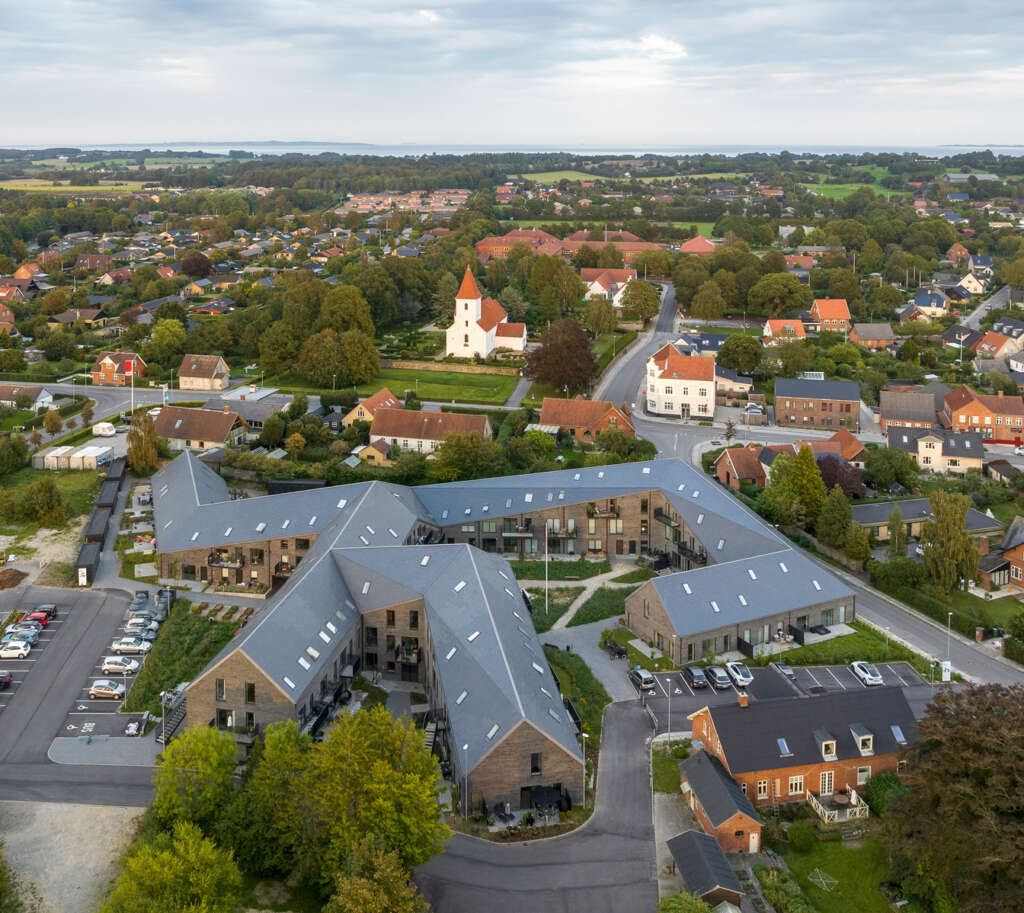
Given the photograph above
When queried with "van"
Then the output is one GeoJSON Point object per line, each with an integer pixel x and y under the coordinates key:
{"type": "Point", "coordinates": [103, 429]}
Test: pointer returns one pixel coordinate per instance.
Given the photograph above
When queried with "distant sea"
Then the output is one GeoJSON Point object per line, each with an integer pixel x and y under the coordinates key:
{"type": "Point", "coordinates": [417, 150]}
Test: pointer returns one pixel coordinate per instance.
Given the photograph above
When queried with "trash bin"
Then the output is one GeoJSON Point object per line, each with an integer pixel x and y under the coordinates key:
{"type": "Point", "coordinates": [979, 634]}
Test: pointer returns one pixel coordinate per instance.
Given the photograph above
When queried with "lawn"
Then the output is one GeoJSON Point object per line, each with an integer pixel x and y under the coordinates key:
{"type": "Point", "coordinates": [579, 569]}
{"type": "Point", "coordinates": [706, 229]}
{"type": "Point", "coordinates": [553, 177]}
{"type": "Point", "coordinates": [18, 418]}
{"type": "Point", "coordinates": [988, 612]}
{"type": "Point", "coordinates": [435, 386]}
{"type": "Point", "coordinates": [622, 635]}
{"type": "Point", "coordinates": [665, 769]}
{"type": "Point", "coordinates": [858, 870]}
{"type": "Point", "coordinates": [186, 643]}
{"type": "Point", "coordinates": [608, 345]}
{"type": "Point", "coordinates": [605, 602]}
{"type": "Point", "coordinates": [842, 191]}
{"type": "Point", "coordinates": [78, 487]}
{"type": "Point", "coordinates": [577, 682]}
{"type": "Point", "coordinates": [708, 176]}
{"type": "Point", "coordinates": [638, 576]}
{"type": "Point", "coordinates": [559, 600]}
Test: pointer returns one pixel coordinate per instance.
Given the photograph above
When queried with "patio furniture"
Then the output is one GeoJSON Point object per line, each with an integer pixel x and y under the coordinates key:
{"type": "Point", "coordinates": [841, 799]}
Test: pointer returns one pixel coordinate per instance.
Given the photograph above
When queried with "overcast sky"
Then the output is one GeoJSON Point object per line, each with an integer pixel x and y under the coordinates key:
{"type": "Point", "coordinates": [478, 71]}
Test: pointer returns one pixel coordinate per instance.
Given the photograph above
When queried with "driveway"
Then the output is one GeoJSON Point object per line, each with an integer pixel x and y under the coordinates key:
{"type": "Point", "coordinates": [584, 640]}
{"type": "Point", "coordinates": [607, 866]}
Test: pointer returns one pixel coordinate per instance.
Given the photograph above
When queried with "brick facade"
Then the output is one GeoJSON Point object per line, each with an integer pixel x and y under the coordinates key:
{"type": "Point", "coordinates": [814, 412]}
{"type": "Point", "coordinates": [395, 641]}
{"type": "Point", "coordinates": [243, 561]}
{"type": "Point", "coordinates": [733, 835]}
{"type": "Point", "coordinates": [209, 702]}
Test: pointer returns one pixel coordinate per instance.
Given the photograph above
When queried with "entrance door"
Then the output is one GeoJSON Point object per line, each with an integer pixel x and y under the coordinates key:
{"type": "Point", "coordinates": [618, 546]}
{"type": "Point", "coordinates": [842, 614]}
{"type": "Point", "coordinates": [755, 842]}
{"type": "Point", "coordinates": [826, 783]}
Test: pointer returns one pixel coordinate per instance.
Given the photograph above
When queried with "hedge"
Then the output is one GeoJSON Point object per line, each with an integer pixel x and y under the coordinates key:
{"type": "Point", "coordinates": [1014, 649]}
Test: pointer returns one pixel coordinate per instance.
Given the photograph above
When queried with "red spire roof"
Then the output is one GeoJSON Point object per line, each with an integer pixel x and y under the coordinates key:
{"type": "Point", "coordinates": [468, 288]}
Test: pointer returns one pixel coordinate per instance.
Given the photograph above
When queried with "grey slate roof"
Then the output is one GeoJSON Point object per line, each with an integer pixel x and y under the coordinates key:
{"type": "Point", "coordinates": [817, 389]}
{"type": "Point", "coordinates": [917, 509]}
{"type": "Point", "coordinates": [749, 735]}
{"type": "Point", "coordinates": [952, 443]}
{"type": "Point", "coordinates": [718, 793]}
{"type": "Point", "coordinates": [702, 864]}
{"type": "Point", "coordinates": [874, 331]}
{"type": "Point", "coordinates": [1014, 535]}
{"type": "Point", "coordinates": [915, 406]}
{"type": "Point", "coordinates": [958, 335]}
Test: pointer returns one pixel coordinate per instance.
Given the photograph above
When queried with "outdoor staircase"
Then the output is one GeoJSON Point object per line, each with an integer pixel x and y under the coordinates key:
{"type": "Point", "coordinates": [429, 734]}
{"type": "Point", "coordinates": [165, 732]}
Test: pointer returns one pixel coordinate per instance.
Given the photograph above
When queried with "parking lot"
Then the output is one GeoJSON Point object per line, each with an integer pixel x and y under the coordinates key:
{"type": "Point", "coordinates": [769, 683]}
{"type": "Point", "coordinates": [20, 668]}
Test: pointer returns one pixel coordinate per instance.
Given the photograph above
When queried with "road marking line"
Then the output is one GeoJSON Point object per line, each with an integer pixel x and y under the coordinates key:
{"type": "Point", "coordinates": [686, 685]}
{"type": "Point", "coordinates": [813, 679]}
{"type": "Point", "coordinates": [839, 683]}
{"type": "Point", "coordinates": [894, 672]}
{"type": "Point", "coordinates": [660, 685]}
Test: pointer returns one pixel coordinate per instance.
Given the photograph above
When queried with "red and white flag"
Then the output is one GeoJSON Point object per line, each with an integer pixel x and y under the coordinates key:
{"type": "Point", "coordinates": [129, 368]}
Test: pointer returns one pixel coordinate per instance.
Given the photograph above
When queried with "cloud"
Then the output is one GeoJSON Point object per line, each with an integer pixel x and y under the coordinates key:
{"type": "Point", "coordinates": [430, 15]}
{"type": "Point", "coordinates": [662, 48]}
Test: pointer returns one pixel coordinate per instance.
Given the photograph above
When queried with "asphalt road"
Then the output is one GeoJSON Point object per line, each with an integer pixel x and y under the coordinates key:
{"type": "Point", "coordinates": [995, 301]}
{"type": "Point", "coordinates": [607, 866]}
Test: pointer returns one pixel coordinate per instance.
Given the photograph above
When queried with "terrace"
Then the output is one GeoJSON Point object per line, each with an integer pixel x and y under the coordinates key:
{"type": "Point", "coordinates": [838, 807]}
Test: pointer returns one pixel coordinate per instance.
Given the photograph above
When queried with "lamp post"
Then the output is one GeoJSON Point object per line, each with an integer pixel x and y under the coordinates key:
{"type": "Point", "coordinates": [465, 779]}
{"type": "Point", "coordinates": [671, 687]}
{"type": "Point", "coordinates": [949, 627]}
{"type": "Point", "coordinates": [887, 641]}
{"type": "Point", "coordinates": [585, 737]}
{"type": "Point", "coordinates": [334, 379]}
{"type": "Point", "coordinates": [545, 568]}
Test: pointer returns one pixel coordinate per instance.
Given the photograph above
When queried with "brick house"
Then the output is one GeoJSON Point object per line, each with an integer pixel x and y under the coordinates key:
{"type": "Point", "coordinates": [740, 464]}
{"type": "Point", "coordinates": [6, 321]}
{"type": "Point", "coordinates": [203, 372]}
{"type": "Point", "coordinates": [585, 419]}
{"type": "Point", "coordinates": [830, 315]}
{"type": "Point", "coordinates": [999, 418]}
{"type": "Point", "coordinates": [719, 804]}
{"type": "Point", "coordinates": [918, 407]}
{"type": "Point", "coordinates": [793, 749]}
{"type": "Point", "coordinates": [957, 252]}
{"type": "Point", "coordinates": [99, 263]}
{"type": "Point", "coordinates": [817, 403]}
{"type": "Point", "coordinates": [875, 336]}
{"type": "Point", "coordinates": [699, 246]}
{"type": "Point", "coordinates": [874, 519]}
{"type": "Point", "coordinates": [199, 429]}
{"type": "Point", "coordinates": [424, 432]}
{"type": "Point", "coordinates": [997, 345]}
{"type": "Point", "coordinates": [367, 409]}
{"type": "Point", "coordinates": [112, 368]}
{"type": "Point", "coordinates": [680, 385]}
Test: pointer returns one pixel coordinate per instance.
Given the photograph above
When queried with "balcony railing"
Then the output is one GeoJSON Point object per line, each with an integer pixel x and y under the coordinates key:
{"type": "Point", "coordinates": [283, 570]}
{"type": "Point", "coordinates": [661, 517]}
{"type": "Point", "coordinates": [215, 560]}
{"type": "Point", "coordinates": [839, 807]}
{"type": "Point", "coordinates": [520, 530]}
{"type": "Point", "coordinates": [692, 554]}
{"type": "Point", "coordinates": [562, 533]}
{"type": "Point", "coordinates": [609, 510]}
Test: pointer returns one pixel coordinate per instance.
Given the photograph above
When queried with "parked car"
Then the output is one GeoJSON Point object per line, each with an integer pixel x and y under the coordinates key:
{"type": "Point", "coordinates": [130, 645]}
{"type": "Point", "coordinates": [739, 673]}
{"type": "Point", "coordinates": [22, 626]}
{"type": "Point", "coordinates": [143, 621]}
{"type": "Point", "coordinates": [140, 632]}
{"type": "Point", "coordinates": [866, 672]}
{"type": "Point", "coordinates": [15, 649]}
{"type": "Point", "coordinates": [643, 679]}
{"type": "Point", "coordinates": [695, 677]}
{"type": "Point", "coordinates": [716, 675]}
{"type": "Point", "coordinates": [786, 670]}
{"type": "Point", "coordinates": [41, 617]}
{"type": "Point", "coordinates": [5, 679]}
{"type": "Point", "coordinates": [103, 429]}
{"type": "Point", "coordinates": [119, 665]}
{"type": "Point", "coordinates": [29, 637]}
{"type": "Point", "coordinates": [49, 608]}
{"type": "Point", "coordinates": [106, 688]}
{"type": "Point", "coordinates": [144, 616]}
{"type": "Point", "coordinates": [1018, 451]}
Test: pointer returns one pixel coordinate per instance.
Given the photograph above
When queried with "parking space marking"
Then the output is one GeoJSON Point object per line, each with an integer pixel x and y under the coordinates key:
{"type": "Point", "coordinates": [894, 672]}
{"type": "Point", "coordinates": [661, 686]}
{"type": "Point", "coordinates": [839, 683]}
{"type": "Point", "coordinates": [686, 684]}
{"type": "Point", "coordinates": [813, 679]}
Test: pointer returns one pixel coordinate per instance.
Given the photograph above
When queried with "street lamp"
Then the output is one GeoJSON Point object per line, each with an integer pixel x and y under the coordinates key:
{"type": "Point", "coordinates": [949, 626]}
{"type": "Point", "coordinates": [585, 737]}
{"type": "Point", "coordinates": [887, 641]}
{"type": "Point", "coordinates": [671, 687]}
{"type": "Point", "coordinates": [334, 378]}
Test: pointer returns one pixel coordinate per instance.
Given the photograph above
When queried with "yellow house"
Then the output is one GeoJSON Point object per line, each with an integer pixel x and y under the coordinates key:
{"type": "Point", "coordinates": [956, 452]}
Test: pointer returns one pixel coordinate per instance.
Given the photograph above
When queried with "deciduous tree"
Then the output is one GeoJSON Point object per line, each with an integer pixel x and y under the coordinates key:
{"type": "Point", "coordinates": [950, 555]}
{"type": "Point", "coordinates": [467, 456]}
{"type": "Point", "coordinates": [835, 519]}
{"type": "Point", "coordinates": [778, 292]}
{"type": "Point", "coordinates": [196, 264]}
{"type": "Point", "coordinates": [321, 360]}
{"type": "Point", "coordinates": [564, 358]}
{"type": "Point", "coordinates": [142, 450]}
{"type": "Point", "coordinates": [740, 353]}
{"type": "Point", "coordinates": [708, 304]}
{"type": "Point", "coordinates": [359, 357]}
{"type": "Point", "coordinates": [52, 422]}
{"type": "Point", "coordinates": [640, 301]}
{"type": "Point", "coordinates": [344, 308]}
{"type": "Point", "coordinates": [192, 781]}
{"type": "Point", "coordinates": [295, 443]}
{"type": "Point", "coordinates": [374, 881]}
{"type": "Point", "coordinates": [601, 316]}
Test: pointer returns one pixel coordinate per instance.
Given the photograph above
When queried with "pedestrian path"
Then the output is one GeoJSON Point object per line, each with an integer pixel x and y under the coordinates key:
{"type": "Point", "coordinates": [590, 585]}
{"type": "Point", "coordinates": [522, 388]}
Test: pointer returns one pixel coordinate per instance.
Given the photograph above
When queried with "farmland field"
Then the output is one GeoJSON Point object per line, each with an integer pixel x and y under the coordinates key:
{"type": "Point", "coordinates": [842, 191]}
{"type": "Point", "coordinates": [38, 185]}
{"type": "Point", "coordinates": [553, 177]}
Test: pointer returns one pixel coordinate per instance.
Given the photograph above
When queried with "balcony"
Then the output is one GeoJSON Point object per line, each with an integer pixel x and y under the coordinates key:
{"type": "Point", "coordinates": [661, 517]}
{"type": "Point", "coordinates": [602, 512]}
{"type": "Point", "coordinates": [221, 560]}
{"type": "Point", "coordinates": [522, 530]}
{"type": "Point", "coordinates": [562, 533]}
{"type": "Point", "coordinates": [840, 807]}
{"type": "Point", "coordinates": [692, 554]}
{"type": "Point", "coordinates": [283, 570]}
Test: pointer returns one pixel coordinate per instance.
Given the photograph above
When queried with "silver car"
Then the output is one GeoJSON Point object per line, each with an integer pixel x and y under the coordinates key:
{"type": "Point", "coordinates": [106, 688]}
{"type": "Point", "coordinates": [130, 645]}
{"type": "Point", "coordinates": [119, 665]}
{"type": "Point", "coordinates": [716, 675]}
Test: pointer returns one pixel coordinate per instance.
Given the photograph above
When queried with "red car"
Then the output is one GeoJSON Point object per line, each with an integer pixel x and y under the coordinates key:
{"type": "Point", "coordinates": [41, 617]}
{"type": "Point", "coordinates": [5, 679]}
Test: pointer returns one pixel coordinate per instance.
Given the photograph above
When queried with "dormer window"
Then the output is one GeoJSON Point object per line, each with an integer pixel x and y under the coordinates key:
{"type": "Point", "coordinates": [826, 744]}
{"type": "Point", "coordinates": [828, 751]}
{"type": "Point", "coordinates": [865, 743]}
{"type": "Point", "coordinates": [863, 738]}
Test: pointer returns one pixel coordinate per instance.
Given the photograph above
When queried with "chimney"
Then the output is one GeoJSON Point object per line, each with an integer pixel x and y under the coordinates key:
{"type": "Point", "coordinates": [742, 698]}
{"type": "Point", "coordinates": [999, 392]}
{"type": "Point", "coordinates": [227, 408]}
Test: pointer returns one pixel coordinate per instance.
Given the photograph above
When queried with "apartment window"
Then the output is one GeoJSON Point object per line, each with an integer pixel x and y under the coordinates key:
{"type": "Point", "coordinates": [796, 786]}
{"type": "Point", "coordinates": [594, 545]}
{"type": "Point", "coordinates": [901, 766]}
{"type": "Point", "coordinates": [867, 743]}
{"type": "Point", "coordinates": [707, 646]}
{"type": "Point", "coordinates": [762, 789]}
{"type": "Point", "coordinates": [591, 526]}
{"type": "Point", "coordinates": [643, 505]}
{"type": "Point", "coordinates": [535, 764]}
{"type": "Point", "coordinates": [469, 527]}
{"type": "Point", "coordinates": [250, 721]}
{"type": "Point", "coordinates": [371, 637]}
{"type": "Point", "coordinates": [391, 618]}
{"type": "Point", "coordinates": [301, 545]}
{"type": "Point", "coordinates": [255, 556]}
{"type": "Point", "coordinates": [490, 526]}
{"type": "Point", "coordinates": [414, 620]}
{"type": "Point", "coordinates": [1015, 572]}
{"type": "Point", "coordinates": [284, 545]}
{"type": "Point", "coordinates": [615, 526]}
{"type": "Point", "coordinates": [647, 608]}
{"type": "Point", "coordinates": [250, 692]}
{"type": "Point", "coordinates": [863, 775]}
{"type": "Point", "coordinates": [219, 690]}
{"type": "Point", "coordinates": [668, 391]}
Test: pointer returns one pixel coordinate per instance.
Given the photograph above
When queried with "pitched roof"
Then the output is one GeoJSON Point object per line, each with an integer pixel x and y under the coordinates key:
{"type": "Point", "coordinates": [918, 509]}
{"type": "Point", "coordinates": [10, 392]}
{"type": "Point", "coordinates": [435, 426]}
{"type": "Point", "coordinates": [207, 366]}
{"type": "Point", "coordinates": [468, 288]}
{"type": "Point", "coordinates": [382, 399]}
{"type": "Point", "coordinates": [915, 406]}
{"type": "Point", "coordinates": [1000, 405]}
{"type": "Point", "coordinates": [581, 413]}
{"type": "Point", "coordinates": [744, 461]}
{"type": "Point", "coordinates": [513, 330]}
{"type": "Point", "coordinates": [749, 736]}
{"type": "Point", "coordinates": [702, 864]}
{"type": "Point", "coordinates": [181, 423]}
{"type": "Point", "coordinates": [699, 245]}
{"type": "Point", "coordinates": [607, 276]}
{"type": "Point", "coordinates": [849, 446]}
{"type": "Point", "coordinates": [991, 342]}
{"type": "Point", "coordinates": [786, 328]}
{"type": "Point", "coordinates": [718, 793]}
{"type": "Point", "coordinates": [831, 308]}
{"type": "Point", "coordinates": [1014, 535]}
{"type": "Point", "coordinates": [952, 443]}
{"type": "Point", "coordinates": [119, 359]}
{"type": "Point", "coordinates": [797, 387]}
{"type": "Point", "coordinates": [874, 331]}
{"type": "Point", "coordinates": [674, 365]}
{"type": "Point", "coordinates": [491, 314]}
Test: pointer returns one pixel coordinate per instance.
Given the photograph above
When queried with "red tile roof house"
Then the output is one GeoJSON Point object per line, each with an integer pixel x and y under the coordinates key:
{"type": "Point", "coordinates": [424, 432]}
{"type": "Point", "coordinates": [740, 464]}
{"type": "Point", "coordinates": [997, 345]}
{"type": "Point", "coordinates": [367, 409]}
{"type": "Point", "coordinates": [585, 419]}
{"type": "Point", "coordinates": [607, 283]}
{"type": "Point", "coordinates": [6, 320]}
{"type": "Point", "coordinates": [700, 246]}
{"type": "Point", "coordinates": [957, 253]}
{"type": "Point", "coordinates": [779, 331]}
{"type": "Point", "coordinates": [112, 368]}
{"type": "Point", "coordinates": [1000, 419]}
{"type": "Point", "coordinates": [830, 315]}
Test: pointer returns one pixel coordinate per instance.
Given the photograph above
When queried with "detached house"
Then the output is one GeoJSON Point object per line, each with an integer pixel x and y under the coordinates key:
{"type": "Point", "coordinates": [117, 368]}
{"type": "Point", "coordinates": [7, 327]}
{"type": "Point", "coordinates": [680, 385]}
{"type": "Point", "coordinates": [199, 429]}
{"type": "Point", "coordinates": [718, 803]}
{"type": "Point", "coordinates": [424, 432]}
{"type": "Point", "coordinates": [817, 403]}
{"type": "Point", "coordinates": [996, 345]}
{"type": "Point", "coordinates": [367, 409]}
{"type": "Point", "coordinates": [830, 315]}
{"type": "Point", "coordinates": [203, 372]}
{"type": "Point", "coordinates": [999, 418]}
{"type": "Point", "coordinates": [779, 331]}
{"type": "Point", "coordinates": [607, 283]}
{"type": "Point", "coordinates": [873, 336]}
{"type": "Point", "coordinates": [586, 419]}
{"type": "Point", "coordinates": [939, 450]}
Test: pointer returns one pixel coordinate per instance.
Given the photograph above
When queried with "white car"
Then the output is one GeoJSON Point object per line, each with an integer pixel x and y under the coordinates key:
{"type": "Point", "coordinates": [119, 665]}
{"type": "Point", "coordinates": [153, 413]}
{"type": "Point", "coordinates": [866, 672]}
{"type": "Point", "coordinates": [739, 673]}
{"type": "Point", "coordinates": [1018, 451]}
{"type": "Point", "coordinates": [16, 649]}
{"type": "Point", "coordinates": [103, 429]}
{"type": "Point", "coordinates": [130, 645]}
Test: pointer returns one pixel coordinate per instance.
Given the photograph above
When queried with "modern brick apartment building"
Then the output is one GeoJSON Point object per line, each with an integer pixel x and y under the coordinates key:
{"type": "Point", "coordinates": [817, 403]}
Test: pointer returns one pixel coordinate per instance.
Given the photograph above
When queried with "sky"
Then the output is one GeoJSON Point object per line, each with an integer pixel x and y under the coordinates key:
{"type": "Point", "coordinates": [563, 72]}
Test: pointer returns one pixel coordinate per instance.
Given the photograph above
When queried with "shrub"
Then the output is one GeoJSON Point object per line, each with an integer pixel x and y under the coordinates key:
{"type": "Point", "coordinates": [881, 790]}
{"type": "Point", "coordinates": [801, 836]}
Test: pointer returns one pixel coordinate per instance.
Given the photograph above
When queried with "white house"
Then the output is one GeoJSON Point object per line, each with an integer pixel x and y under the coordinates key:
{"type": "Point", "coordinates": [972, 284]}
{"type": "Point", "coordinates": [680, 385]}
{"type": "Point", "coordinates": [40, 397]}
{"type": "Point", "coordinates": [481, 324]}
{"type": "Point", "coordinates": [607, 283]}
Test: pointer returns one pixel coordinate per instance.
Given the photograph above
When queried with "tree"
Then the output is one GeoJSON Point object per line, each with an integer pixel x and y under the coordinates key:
{"type": "Point", "coordinates": [442, 302]}
{"type": "Point", "coordinates": [883, 789]}
{"type": "Point", "coordinates": [273, 431]}
{"type": "Point", "coordinates": [177, 872]}
{"type": "Point", "coordinates": [730, 430]}
{"type": "Point", "coordinates": [359, 356]}
{"type": "Point", "coordinates": [909, 352]}
{"type": "Point", "coordinates": [1013, 273]}
{"type": "Point", "coordinates": [708, 304]}
{"type": "Point", "coordinates": [374, 881]}
{"type": "Point", "coordinates": [294, 444]}
{"type": "Point", "coordinates": [609, 257]}
{"type": "Point", "coordinates": [835, 519]}
{"type": "Point", "coordinates": [640, 301]}
{"type": "Point", "coordinates": [467, 456]}
{"type": "Point", "coordinates": [167, 341]}
{"type": "Point", "coordinates": [55, 302]}
{"type": "Point", "coordinates": [40, 502]}
{"type": "Point", "coordinates": [279, 348]}
{"type": "Point", "coordinates": [958, 834]}
{"type": "Point", "coordinates": [885, 300]}
{"type": "Point", "coordinates": [192, 781]}
{"type": "Point", "coordinates": [344, 308]}
{"type": "Point", "coordinates": [836, 471]}
{"type": "Point", "coordinates": [321, 360]}
{"type": "Point", "coordinates": [11, 360]}
{"type": "Point", "coordinates": [808, 487]}
{"type": "Point", "coordinates": [196, 264]}
{"type": "Point", "coordinates": [777, 501]}
{"type": "Point", "coordinates": [950, 555]}
{"type": "Point", "coordinates": [298, 407]}
{"type": "Point", "coordinates": [795, 356]}
{"type": "Point", "coordinates": [897, 545]}
{"type": "Point", "coordinates": [683, 902]}
{"type": "Point", "coordinates": [1001, 383]}
{"type": "Point", "coordinates": [857, 545]}
{"type": "Point", "coordinates": [884, 466]}
{"type": "Point", "coordinates": [564, 358]}
{"type": "Point", "coordinates": [13, 454]}
{"type": "Point", "coordinates": [87, 412]}
{"type": "Point", "coordinates": [52, 422]}
{"type": "Point", "coordinates": [512, 302]}
{"type": "Point", "coordinates": [142, 450]}
{"type": "Point", "coordinates": [740, 353]}
{"type": "Point", "coordinates": [601, 316]}
{"type": "Point", "coordinates": [777, 292]}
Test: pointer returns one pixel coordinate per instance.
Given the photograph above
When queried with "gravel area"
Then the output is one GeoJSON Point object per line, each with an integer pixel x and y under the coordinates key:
{"type": "Point", "coordinates": [68, 852]}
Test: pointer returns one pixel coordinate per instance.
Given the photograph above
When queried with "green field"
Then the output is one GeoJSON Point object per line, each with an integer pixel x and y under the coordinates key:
{"type": "Point", "coordinates": [842, 191]}
{"type": "Point", "coordinates": [706, 229]}
{"type": "Point", "coordinates": [707, 176]}
{"type": "Point", "coordinates": [38, 185]}
{"type": "Point", "coordinates": [553, 177]}
{"type": "Point", "coordinates": [434, 386]}
{"type": "Point", "coordinates": [78, 487]}
{"type": "Point", "coordinates": [578, 683]}
{"type": "Point", "coordinates": [604, 602]}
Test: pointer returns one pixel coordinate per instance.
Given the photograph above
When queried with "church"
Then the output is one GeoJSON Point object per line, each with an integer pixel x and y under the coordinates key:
{"type": "Point", "coordinates": [481, 325]}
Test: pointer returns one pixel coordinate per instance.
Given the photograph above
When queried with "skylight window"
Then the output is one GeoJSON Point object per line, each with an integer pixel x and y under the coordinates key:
{"type": "Point", "coordinates": [537, 668]}
{"type": "Point", "coordinates": [425, 560]}
{"type": "Point", "coordinates": [897, 734]}
{"type": "Point", "coordinates": [721, 544]}
{"type": "Point", "coordinates": [742, 598]}
{"type": "Point", "coordinates": [289, 682]}
{"type": "Point", "coordinates": [784, 751]}
{"type": "Point", "coordinates": [546, 693]}
{"type": "Point", "coordinates": [394, 535]}
{"type": "Point", "coordinates": [529, 497]}
{"type": "Point", "coordinates": [324, 637]}
{"type": "Point", "coordinates": [681, 486]}
{"type": "Point", "coordinates": [508, 591]}
{"type": "Point", "coordinates": [285, 524]}
{"type": "Point", "coordinates": [227, 532]}
{"type": "Point", "coordinates": [576, 477]}
{"type": "Point", "coordinates": [468, 511]}
{"type": "Point", "coordinates": [554, 715]}
{"type": "Point", "coordinates": [473, 636]}
{"type": "Point", "coordinates": [195, 535]}
{"type": "Point", "coordinates": [342, 503]}
{"type": "Point", "coordinates": [503, 575]}
{"type": "Point", "coordinates": [451, 653]}
{"type": "Point", "coordinates": [493, 731]}
{"type": "Point", "coordinates": [696, 492]}
{"type": "Point", "coordinates": [485, 508]}
{"type": "Point", "coordinates": [700, 519]}
{"type": "Point", "coordinates": [364, 540]}
{"type": "Point", "coordinates": [313, 652]}
{"type": "Point", "coordinates": [303, 662]}
{"type": "Point", "coordinates": [783, 568]}
{"type": "Point", "coordinates": [600, 475]}
{"type": "Point", "coordinates": [444, 514]}
{"type": "Point", "coordinates": [370, 530]}
{"type": "Point", "coordinates": [646, 470]}
{"type": "Point", "coordinates": [714, 606]}
{"type": "Point", "coordinates": [687, 589]}
{"type": "Point", "coordinates": [520, 617]}
{"type": "Point", "coordinates": [550, 496]}
{"type": "Point", "coordinates": [508, 503]}
{"type": "Point", "coordinates": [330, 627]}
{"type": "Point", "coordinates": [817, 585]}
{"type": "Point", "coordinates": [261, 526]}
{"type": "Point", "coordinates": [561, 495]}
{"type": "Point", "coordinates": [312, 520]}
{"type": "Point", "coordinates": [460, 586]}
{"type": "Point", "coordinates": [461, 697]}
{"type": "Point", "coordinates": [750, 571]}
{"type": "Point", "coordinates": [366, 587]}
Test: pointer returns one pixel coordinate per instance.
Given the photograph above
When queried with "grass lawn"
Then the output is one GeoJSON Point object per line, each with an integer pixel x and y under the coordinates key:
{"type": "Point", "coordinates": [577, 682]}
{"type": "Point", "coordinates": [859, 871]}
{"type": "Point", "coordinates": [988, 612]}
{"type": "Point", "coordinates": [638, 576]}
{"type": "Point", "coordinates": [622, 635]}
{"type": "Point", "coordinates": [553, 177]}
{"type": "Point", "coordinates": [605, 602]}
{"type": "Point", "coordinates": [78, 487]}
{"type": "Point", "coordinates": [57, 573]}
{"type": "Point", "coordinates": [436, 386]}
{"type": "Point", "coordinates": [186, 643]}
{"type": "Point", "coordinates": [374, 695]}
{"type": "Point", "coordinates": [559, 600]}
{"type": "Point", "coordinates": [560, 570]}
{"type": "Point", "coordinates": [665, 768]}
{"type": "Point", "coordinates": [608, 345]}
{"type": "Point", "coordinates": [707, 176]}
{"type": "Point", "coordinates": [535, 395]}
{"type": "Point", "coordinates": [842, 191]}
{"type": "Point", "coordinates": [1005, 512]}
{"type": "Point", "coordinates": [18, 418]}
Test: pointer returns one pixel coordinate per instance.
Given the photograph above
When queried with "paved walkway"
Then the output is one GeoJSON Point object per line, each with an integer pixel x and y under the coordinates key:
{"type": "Point", "coordinates": [585, 640]}
{"type": "Point", "coordinates": [113, 751]}
{"type": "Point", "coordinates": [671, 818]}
{"type": "Point", "coordinates": [522, 388]}
{"type": "Point", "coordinates": [589, 584]}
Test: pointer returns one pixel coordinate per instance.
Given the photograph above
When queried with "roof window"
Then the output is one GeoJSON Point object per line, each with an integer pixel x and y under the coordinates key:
{"type": "Point", "coordinates": [285, 524]}
{"type": "Point", "coordinates": [473, 636]}
{"type": "Point", "coordinates": [227, 532]}
{"type": "Point", "coordinates": [364, 540]}
{"type": "Point", "coordinates": [303, 662]}
{"type": "Point", "coordinates": [493, 731]}
{"type": "Point", "coordinates": [750, 571]}
{"type": "Point", "coordinates": [687, 589]}
{"type": "Point", "coordinates": [817, 585]}
{"type": "Point", "coordinates": [394, 535]}
{"type": "Point", "coordinates": [195, 535]}
{"type": "Point", "coordinates": [508, 503]}
{"type": "Point", "coordinates": [714, 606]}
{"type": "Point", "coordinates": [459, 586]}
{"type": "Point", "coordinates": [425, 560]}
{"type": "Point", "coordinates": [721, 544]}
{"type": "Point", "coordinates": [312, 520]}
{"type": "Point", "coordinates": [700, 519]}
{"type": "Point", "coordinates": [313, 652]}
{"type": "Point", "coordinates": [324, 637]}
{"type": "Point", "coordinates": [289, 682]}
{"type": "Point", "coordinates": [444, 514]}
{"type": "Point", "coordinates": [342, 503]}
{"type": "Point", "coordinates": [461, 697]}
{"type": "Point", "coordinates": [451, 653]}
{"type": "Point", "coordinates": [528, 498]}
{"type": "Point", "coordinates": [366, 587]}
{"type": "Point", "coordinates": [784, 751]}
{"type": "Point", "coordinates": [783, 568]}
{"type": "Point", "coordinates": [330, 627]}
{"type": "Point", "coordinates": [742, 599]}
{"type": "Point", "coordinates": [261, 526]}
{"type": "Point", "coordinates": [537, 668]}
{"type": "Point", "coordinates": [370, 530]}
{"type": "Point", "coordinates": [646, 470]}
